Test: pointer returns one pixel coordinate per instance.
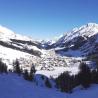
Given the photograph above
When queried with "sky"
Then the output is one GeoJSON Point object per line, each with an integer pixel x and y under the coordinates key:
{"type": "Point", "coordinates": [47, 19]}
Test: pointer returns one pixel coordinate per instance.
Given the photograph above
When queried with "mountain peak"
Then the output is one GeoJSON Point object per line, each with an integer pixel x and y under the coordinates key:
{"type": "Point", "coordinates": [89, 26]}
{"type": "Point", "coordinates": [5, 31]}
{"type": "Point", "coordinates": [6, 34]}
{"type": "Point", "coordinates": [88, 30]}
{"type": "Point", "coordinates": [92, 24]}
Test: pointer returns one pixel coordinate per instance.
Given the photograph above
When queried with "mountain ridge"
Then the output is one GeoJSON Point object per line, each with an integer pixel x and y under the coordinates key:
{"type": "Point", "coordinates": [49, 59]}
{"type": "Point", "coordinates": [47, 55]}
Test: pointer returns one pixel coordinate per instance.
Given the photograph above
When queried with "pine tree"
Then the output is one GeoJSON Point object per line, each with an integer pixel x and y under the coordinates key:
{"type": "Point", "coordinates": [65, 82]}
{"type": "Point", "coordinates": [31, 74]}
{"type": "Point", "coordinates": [47, 83]}
{"type": "Point", "coordinates": [94, 76]}
{"type": "Point", "coordinates": [26, 75]}
{"type": "Point", "coordinates": [3, 67]}
{"type": "Point", "coordinates": [33, 70]}
{"type": "Point", "coordinates": [84, 75]}
{"type": "Point", "coordinates": [76, 80]}
{"type": "Point", "coordinates": [17, 68]}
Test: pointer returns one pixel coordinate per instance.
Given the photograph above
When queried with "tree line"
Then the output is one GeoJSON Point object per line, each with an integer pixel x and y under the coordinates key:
{"type": "Point", "coordinates": [18, 70]}
{"type": "Point", "coordinates": [27, 75]}
{"type": "Point", "coordinates": [64, 82]}
{"type": "Point", "coordinates": [85, 77]}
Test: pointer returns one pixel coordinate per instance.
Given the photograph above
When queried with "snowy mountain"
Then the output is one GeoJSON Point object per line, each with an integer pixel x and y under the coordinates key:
{"type": "Point", "coordinates": [28, 51]}
{"type": "Point", "coordinates": [79, 42]}
{"type": "Point", "coordinates": [67, 51]}
{"type": "Point", "coordinates": [87, 30]}
{"type": "Point", "coordinates": [14, 46]}
{"type": "Point", "coordinates": [48, 55]}
{"type": "Point", "coordinates": [50, 58]}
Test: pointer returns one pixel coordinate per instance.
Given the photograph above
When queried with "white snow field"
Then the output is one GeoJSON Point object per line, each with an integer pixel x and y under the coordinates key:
{"type": "Point", "coordinates": [13, 86]}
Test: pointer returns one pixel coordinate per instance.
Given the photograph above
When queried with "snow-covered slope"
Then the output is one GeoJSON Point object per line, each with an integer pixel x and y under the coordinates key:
{"type": "Point", "coordinates": [13, 86]}
{"type": "Point", "coordinates": [79, 42]}
{"type": "Point", "coordinates": [87, 30]}
{"type": "Point", "coordinates": [50, 60]}
{"type": "Point", "coordinates": [15, 46]}
{"type": "Point", "coordinates": [7, 34]}
{"type": "Point", "coordinates": [71, 47]}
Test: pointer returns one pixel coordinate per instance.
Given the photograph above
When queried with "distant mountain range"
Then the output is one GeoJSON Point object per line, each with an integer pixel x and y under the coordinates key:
{"type": "Point", "coordinates": [50, 58]}
{"type": "Point", "coordinates": [79, 43]}
{"type": "Point", "coordinates": [83, 41]}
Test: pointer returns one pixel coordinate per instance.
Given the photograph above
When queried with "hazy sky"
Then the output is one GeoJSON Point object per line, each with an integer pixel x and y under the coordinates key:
{"type": "Point", "coordinates": [45, 19]}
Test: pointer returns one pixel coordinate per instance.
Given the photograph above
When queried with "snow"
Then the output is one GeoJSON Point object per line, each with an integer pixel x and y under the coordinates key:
{"type": "Point", "coordinates": [7, 34]}
{"type": "Point", "coordinates": [6, 31]}
{"type": "Point", "coordinates": [88, 30]}
{"type": "Point", "coordinates": [47, 42]}
{"type": "Point", "coordinates": [58, 70]}
{"type": "Point", "coordinates": [52, 64]}
{"type": "Point", "coordinates": [91, 92]}
{"type": "Point", "coordinates": [9, 55]}
{"type": "Point", "coordinates": [49, 64]}
{"type": "Point", "coordinates": [21, 37]}
{"type": "Point", "coordinates": [34, 48]}
{"type": "Point", "coordinates": [13, 86]}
